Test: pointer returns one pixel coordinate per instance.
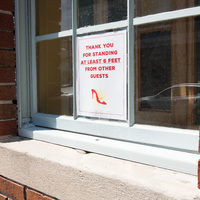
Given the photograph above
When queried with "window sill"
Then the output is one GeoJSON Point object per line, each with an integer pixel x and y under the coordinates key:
{"type": "Point", "coordinates": [64, 172]}
{"type": "Point", "coordinates": [174, 138]}
{"type": "Point", "coordinates": [155, 155]}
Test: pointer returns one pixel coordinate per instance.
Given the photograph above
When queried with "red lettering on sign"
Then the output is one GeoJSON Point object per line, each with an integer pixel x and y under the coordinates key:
{"type": "Point", "coordinates": [106, 68]}
{"type": "Point", "coordinates": [96, 61]}
{"type": "Point", "coordinates": [99, 76]}
{"type": "Point", "coordinates": [114, 60]}
{"type": "Point", "coordinates": [90, 68]}
{"type": "Point", "coordinates": [97, 46]}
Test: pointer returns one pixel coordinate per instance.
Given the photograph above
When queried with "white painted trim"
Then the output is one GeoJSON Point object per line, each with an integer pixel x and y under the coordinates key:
{"type": "Point", "coordinates": [33, 68]}
{"type": "Point", "coordinates": [131, 76]}
{"type": "Point", "coordinates": [22, 69]}
{"type": "Point", "coordinates": [187, 140]}
{"type": "Point", "coordinates": [18, 74]}
{"type": "Point", "coordinates": [74, 56]}
{"type": "Point", "coordinates": [165, 158]}
{"type": "Point", "coordinates": [53, 36]}
{"type": "Point", "coordinates": [187, 12]}
{"type": "Point", "coordinates": [102, 27]}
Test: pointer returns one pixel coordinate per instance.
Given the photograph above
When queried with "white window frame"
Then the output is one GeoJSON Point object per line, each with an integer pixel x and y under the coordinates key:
{"type": "Point", "coordinates": [171, 148]}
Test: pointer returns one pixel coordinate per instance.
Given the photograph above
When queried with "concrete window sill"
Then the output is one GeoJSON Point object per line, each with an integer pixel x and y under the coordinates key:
{"type": "Point", "coordinates": [67, 173]}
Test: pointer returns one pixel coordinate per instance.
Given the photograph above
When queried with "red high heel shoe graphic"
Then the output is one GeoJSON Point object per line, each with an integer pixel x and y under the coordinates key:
{"type": "Point", "coordinates": [97, 97]}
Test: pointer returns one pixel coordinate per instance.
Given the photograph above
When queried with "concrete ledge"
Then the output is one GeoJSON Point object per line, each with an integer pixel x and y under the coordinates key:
{"type": "Point", "coordinates": [67, 173]}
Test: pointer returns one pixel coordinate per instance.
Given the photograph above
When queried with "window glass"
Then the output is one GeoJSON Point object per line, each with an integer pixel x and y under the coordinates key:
{"type": "Point", "coordinates": [53, 16]}
{"type": "Point", "coordinates": [148, 7]}
{"type": "Point", "coordinates": [155, 69]}
{"type": "Point", "coordinates": [54, 76]}
{"type": "Point", "coordinates": [85, 13]}
{"type": "Point", "coordinates": [93, 12]}
{"type": "Point", "coordinates": [197, 63]}
{"type": "Point", "coordinates": [168, 73]}
{"type": "Point", "coordinates": [197, 2]}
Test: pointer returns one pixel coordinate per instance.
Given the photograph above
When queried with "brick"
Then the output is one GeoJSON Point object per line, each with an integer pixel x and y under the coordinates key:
{"type": "Point", "coordinates": [7, 92]}
{"type": "Point", "coordinates": [6, 22]}
{"type": "Point", "coordinates": [7, 5]}
{"type": "Point", "coordinates": [7, 40]}
{"type": "Point", "coordinates": [12, 189]}
{"type": "Point", "coordinates": [31, 194]}
{"type": "Point", "coordinates": [7, 75]}
{"type": "Point", "coordinates": [3, 197]}
{"type": "Point", "coordinates": [8, 112]}
{"type": "Point", "coordinates": [7, 58]}
{"type": "Point", "coordinates": [8, 128]}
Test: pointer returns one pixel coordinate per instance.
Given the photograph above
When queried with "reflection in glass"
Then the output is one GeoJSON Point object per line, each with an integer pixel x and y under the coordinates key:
{"type": "Point", "coordinates": [175, 94]}
{"type": "Point", "coordinates": [155, 64]}
{"type": "Point", "coordinates": [168, 73]}
{"type": "Point", "coordinates": [93, 12]}
{"type": "Point", "coordinates": [197, 36]}
{"type": "Point", "coordinates": [54, 75]}
{"type": "Point", "coordinates": [148, 7]}
{"type": "Point", "coordinates": [53, 16]}
{"type": "Point", "coordinates": [197, 2]}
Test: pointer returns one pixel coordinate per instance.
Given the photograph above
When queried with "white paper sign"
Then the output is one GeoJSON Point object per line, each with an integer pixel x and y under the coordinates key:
{"type": "Point", "coordinates": [101, 76]}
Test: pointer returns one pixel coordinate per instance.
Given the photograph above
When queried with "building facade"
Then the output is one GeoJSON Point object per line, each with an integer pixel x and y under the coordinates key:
{"type": "Point", "coordinates": [112, 77]}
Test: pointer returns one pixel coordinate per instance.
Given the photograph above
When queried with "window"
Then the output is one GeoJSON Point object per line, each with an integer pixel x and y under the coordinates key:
{"type": "Point", "coordinates": [54, 54]}
{"type": "Point", "coordinates": [54, 76]}
{"type": "Point", "coordinates": [54, 58]}
{"type": "Point", "coordinates": [53, 16]}
{"type": "Point", "coordinates": [165, 57]}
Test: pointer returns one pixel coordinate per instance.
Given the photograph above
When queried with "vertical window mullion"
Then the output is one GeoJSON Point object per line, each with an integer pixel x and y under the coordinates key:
{"type": "Point", "coordinates": [33, 76]}
{"type": "Point", "coordinates": [74, 37]}
{"type": "Point", "coordinates": [18, 74]}
{"type": "Point", "coordinates": [130, 13]}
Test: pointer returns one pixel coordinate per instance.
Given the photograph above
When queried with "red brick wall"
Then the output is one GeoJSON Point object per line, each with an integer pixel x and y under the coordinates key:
{"type": "Point", "coordinates": [12, 190]}
{"type": "Point", "coordinates": [8, 110]}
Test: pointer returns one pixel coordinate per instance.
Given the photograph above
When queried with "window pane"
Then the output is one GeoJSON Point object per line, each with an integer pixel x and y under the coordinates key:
{"type": "Point", "coordinates": [197, 36]}
{"type": "Point", "coordinates": [93, 12]}
{"type": "Point", "coordinates": [155, 68]}
{"type": "Point", "coordinates": [148, 7]}
{"type": "Point", "coordinates": [54, 75]}
{"type": "Point", "coordinates": [53, 16]}
{"type": "Point", "coordinates": [197, 2]}
{"type": "Point", "coordinates": [168, 73]}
